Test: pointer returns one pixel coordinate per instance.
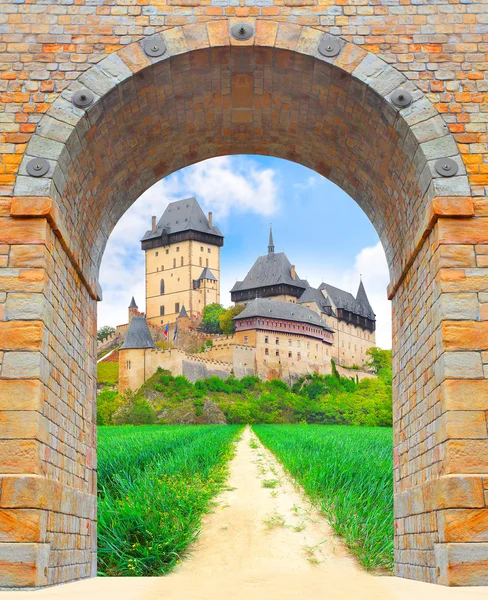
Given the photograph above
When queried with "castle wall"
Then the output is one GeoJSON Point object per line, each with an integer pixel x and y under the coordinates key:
{"type": "Point", "coordinates": [350, 342]}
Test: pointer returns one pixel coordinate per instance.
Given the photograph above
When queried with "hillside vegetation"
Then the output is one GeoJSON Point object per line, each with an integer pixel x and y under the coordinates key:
{"type": "Point", "coordinates": [329, 399]}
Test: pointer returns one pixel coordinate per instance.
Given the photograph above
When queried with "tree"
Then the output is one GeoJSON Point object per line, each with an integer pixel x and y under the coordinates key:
{"type": "Point", "coordinates": [380, 362]}
{"type": "Point", "coordinates": [227, 325]}
{"type": "Point", "coordinates": [211, 318]}
{"type": "Point", "coordinates": [104, 332]}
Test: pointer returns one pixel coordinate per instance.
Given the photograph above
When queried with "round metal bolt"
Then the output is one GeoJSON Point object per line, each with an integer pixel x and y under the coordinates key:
{"type": "Point", "coordinates": [446, 167]}
{"type": "Point", "coordinates": [154, 46]}
{"type": "Point", "coordinates": [37, 167]}
{"type": "Point", "coordinates": [83, 98]}
{"type": "Point", "coordinates": [242, 31]}
{"type": "Point", "coordinates": [401, 98]}
{"type": "Point", "coordinates": [329, 46]}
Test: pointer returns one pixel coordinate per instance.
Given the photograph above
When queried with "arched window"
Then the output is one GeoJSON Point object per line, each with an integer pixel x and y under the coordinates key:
{"type": "Point", "coordinates": [161, 287]}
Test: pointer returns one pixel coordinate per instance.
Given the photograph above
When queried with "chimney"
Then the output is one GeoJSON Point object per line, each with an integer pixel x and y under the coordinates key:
{"type": "Point", "coordinates": [153, 224]}
{"type": "Point", "coordinates": [210, 219]}
{"type": "Point", "coordinates": [293, 272]}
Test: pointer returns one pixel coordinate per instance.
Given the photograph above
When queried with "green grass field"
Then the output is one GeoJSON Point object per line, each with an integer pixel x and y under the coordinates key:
{"type": "Point", "coordinates": [154, 485]}
{"type": "Point", "coordinates": [348, 473]}
{"type": "Point", "coordinates": [108, 373]}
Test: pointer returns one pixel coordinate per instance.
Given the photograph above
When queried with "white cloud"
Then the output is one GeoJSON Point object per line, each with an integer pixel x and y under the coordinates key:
{"type": "Point", "coordinates": [222, 185]}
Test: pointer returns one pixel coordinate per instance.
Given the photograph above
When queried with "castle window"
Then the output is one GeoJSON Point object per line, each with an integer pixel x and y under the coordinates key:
{"type": "Point", "coordinates": [201, 248]}
{"type": "Point", "coordinates": [289, 354]}
{"type": "Point", "coordinates": [209, 250]}
{"type": "Point", "coordinates": [177, 307]}
{"type": "Point", "coordinates": [167, 251]}
{"type": "Point", "coordinates": [246, 339]}
{"type": "Point", "coordinates": [128, 364]}
{"type": "Point", "coordinates": [206, 262]}
{"type": "Point", "coordinates": [182, 261]}
{"type": "Point", "coordinates": [298, 343]}
{"type": "Point", "coordinates": [161, 287]}
{"type": "Point", "coordinates": [162, 267]}
{"type": "Point", "coordinates": [157, 253]}
{"type": "Point", "coordinates": [161, 311]}
{"type": "Point", "coordinates": [290, 342]}
{"type": "Point", "coordinates": [277, 340]}
{"type": "Point", "coordinates": [266, 351]}
{"type": "Point", "coordinates": [266, 340]}
{"type": "Point", "coordinates": [174, 263]}
{"type": "Point", "coordinates": [177, 248]}
{"type": "Point", "coordinates": [200, 261]}
{"type": "Point", "coordinates": [277, 352]}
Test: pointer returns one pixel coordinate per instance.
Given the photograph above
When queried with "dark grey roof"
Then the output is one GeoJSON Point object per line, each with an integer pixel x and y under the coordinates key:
{"type": "Point", "coordinates": [183, 312]}
{"type": "Point", "coordinates": [346, 301]}
{"type": "Point", "coordinates": [207, 274]}
{"type": "Point", "coordinates": [132, 303]}
{"type": "Point", "coordinates": [274, 309]}
{"type": "Point", "coordinates": [271, 269]}
{"type": "Point", "coordinates": [183, 215]}
{"type": "Point", "coordinates": [314, 295]}
{"type": "Point", "coordinates": [138, 335]}
{"type": "Point", "coordinates": [362, 300]}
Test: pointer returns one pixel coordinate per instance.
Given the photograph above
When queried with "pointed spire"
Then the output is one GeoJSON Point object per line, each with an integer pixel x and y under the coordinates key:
{"type": "Point", "coordinates": [362, 298]}
{"type": "Point", "coordinates": [271, 247]}
{"type": "Point", "coordinates": [132, 303]}
{"type": "Point", "coordinates": [183, 312]}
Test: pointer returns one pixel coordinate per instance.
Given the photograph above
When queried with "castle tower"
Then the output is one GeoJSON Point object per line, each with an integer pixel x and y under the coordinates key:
{"type": "Point", "coordinates": [182, 262]}
{"type": "Point", "coordinates": [133, 309]}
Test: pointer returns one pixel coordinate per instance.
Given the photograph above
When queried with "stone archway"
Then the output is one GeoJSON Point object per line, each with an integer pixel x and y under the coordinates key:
{"type": "Point", "coordinates": [210, 95]}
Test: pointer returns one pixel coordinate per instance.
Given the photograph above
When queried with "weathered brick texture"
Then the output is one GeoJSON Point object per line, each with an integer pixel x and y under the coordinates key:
{"type": "Point", "coordinates": [211, 95]}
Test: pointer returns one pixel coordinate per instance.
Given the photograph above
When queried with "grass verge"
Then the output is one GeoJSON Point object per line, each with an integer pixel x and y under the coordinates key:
{"type": "Point", "coordinates": [154, 485]}
{"type": "Point", "coordinates": [347, 472]}
{"type": "Point", "coordinates": [108, 373]}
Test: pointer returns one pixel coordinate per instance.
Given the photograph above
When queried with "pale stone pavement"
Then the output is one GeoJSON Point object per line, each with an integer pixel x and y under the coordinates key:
{"type": "Point", "coordinates": [259, 543]}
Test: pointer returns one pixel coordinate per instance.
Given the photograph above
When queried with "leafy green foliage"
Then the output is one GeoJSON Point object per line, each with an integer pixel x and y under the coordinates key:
{"type": "Point", "coordinates": [211, 318]}
{"type": "Point", "coordinates": [348, 474]}
{"type": "Point", "coordinates": [104, 332]}
{"type": "Point", "coordinates": [380, 362]}
{"type": "Point", "coordinates": [227, 325]}
{"type": "Point", "coordinates": [108, 401]}
{"type": "Point", "coordinates": [134, 410]}
{"type": "Point", "coordinates": [108, 373]}
{"type": "Point", "coordinates": [154, 485]}
{"type": "Point", "coordinates": [329, 399]}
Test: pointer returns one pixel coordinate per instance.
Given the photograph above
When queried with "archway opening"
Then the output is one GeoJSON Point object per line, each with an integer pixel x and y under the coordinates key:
{"type": "Point", "coordinates": [333, 116]}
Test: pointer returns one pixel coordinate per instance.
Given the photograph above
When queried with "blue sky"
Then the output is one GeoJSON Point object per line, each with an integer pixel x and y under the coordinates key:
{"type": "Point", "coordinates": [320, 228]}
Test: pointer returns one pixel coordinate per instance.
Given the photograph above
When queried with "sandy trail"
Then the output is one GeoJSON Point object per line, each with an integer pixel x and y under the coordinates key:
{"type": "Point", "coordinates": [260, 543]}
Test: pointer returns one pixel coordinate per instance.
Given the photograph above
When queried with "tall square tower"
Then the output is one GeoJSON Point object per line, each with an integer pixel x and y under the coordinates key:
{"type": "Point", "coordinates": [182, 262]}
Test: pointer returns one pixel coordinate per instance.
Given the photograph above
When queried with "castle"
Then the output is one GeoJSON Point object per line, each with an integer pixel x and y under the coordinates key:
{"type": "Point", "coordinates": [286, 329]}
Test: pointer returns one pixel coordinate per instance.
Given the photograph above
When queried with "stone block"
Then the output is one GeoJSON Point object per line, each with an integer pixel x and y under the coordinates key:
{"type": "Point", "coordinates": [464, 395]}
{"type": "Point", "coordinates": [21, 335]}
{"type": "Point", "coordinates": [23, 565]}
{"type": "Point", "coordinates": [463, 525]}
{"type": "Point", "coordinates": [466, 456]}
{"type": "Point", "coordinates": [27, 307]}
{"type": "Point", "coordinates": [458, 306]}
{"type": "Point", "coordinates": [22, 525]}
{"type": "Point", "coordinates": [20, 456]}
{"type": "Point", "coordinates": [459, 365]}
{"type": "Point", "coordinates": [464, 335]}
{"type": "Point", "coordinates": [21, 394]}
{"type": "Point", "coordinates": [28, 365]}
{"type": "Point", "coordinates": [462, 564]}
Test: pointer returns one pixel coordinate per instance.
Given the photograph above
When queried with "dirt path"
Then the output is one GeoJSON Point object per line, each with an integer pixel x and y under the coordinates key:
{"type": "Point", "coordinates": [260, 543]}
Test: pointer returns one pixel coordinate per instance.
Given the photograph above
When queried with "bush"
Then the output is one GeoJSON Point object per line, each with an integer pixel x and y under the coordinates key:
{"type": "Point", "coordinates": [134, 410]}
{"type": "Point", "coordinates": [108, 401]}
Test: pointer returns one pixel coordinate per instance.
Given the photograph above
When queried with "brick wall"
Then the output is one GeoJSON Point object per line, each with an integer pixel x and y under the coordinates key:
{"type": "Point", "coordinates": [210, 95]}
